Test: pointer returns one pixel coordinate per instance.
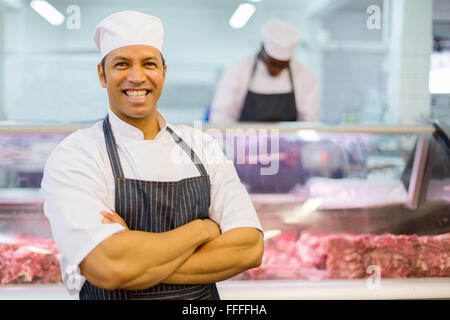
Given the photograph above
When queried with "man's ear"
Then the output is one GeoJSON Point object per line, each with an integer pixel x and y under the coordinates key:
{"type": "Point", "coordinates": [101, 75]}
{"type": "Point", "coordinates": [164, 72]}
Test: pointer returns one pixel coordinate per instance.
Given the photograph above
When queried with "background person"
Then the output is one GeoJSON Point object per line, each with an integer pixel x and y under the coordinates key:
{"type": "Point", "coordinates": [269, 86]}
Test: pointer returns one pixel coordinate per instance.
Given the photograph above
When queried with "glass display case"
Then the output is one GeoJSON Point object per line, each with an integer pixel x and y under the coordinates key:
{"type": "Point", "coordinates": [29, 257]}
{"type": "Point", "coordinates": [343, 208]}
{"type": "Point", "coordinates": [347, 206]}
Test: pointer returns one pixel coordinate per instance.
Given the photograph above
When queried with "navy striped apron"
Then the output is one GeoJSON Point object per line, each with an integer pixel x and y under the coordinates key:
{"type": "Point", "coordinates": [275, 107]}
{"type": "Point", "coordinates": [155, 206]}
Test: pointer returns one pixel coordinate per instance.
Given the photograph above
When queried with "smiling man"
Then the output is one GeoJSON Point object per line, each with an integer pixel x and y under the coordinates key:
{"type": "Point", "coordinates": [131, 221]}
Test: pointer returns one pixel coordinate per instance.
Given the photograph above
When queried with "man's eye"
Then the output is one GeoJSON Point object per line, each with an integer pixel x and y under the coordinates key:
{"type": "Point", "coordinates": [150, 64]}
{"type": "Point", "coordinates": [120, 65]}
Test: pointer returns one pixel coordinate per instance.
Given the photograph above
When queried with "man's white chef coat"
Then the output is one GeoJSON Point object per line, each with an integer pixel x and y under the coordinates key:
{"type": "Point", "coordinates": [78, 183]}
{"type": "Point", "coordinates": [232, 89]}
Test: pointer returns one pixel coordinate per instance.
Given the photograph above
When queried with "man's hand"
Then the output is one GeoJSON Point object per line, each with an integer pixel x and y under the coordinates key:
{"type": "Point", "coordinates": [212, 228]}
{"type": "Point", "coordinates": [113, 217]}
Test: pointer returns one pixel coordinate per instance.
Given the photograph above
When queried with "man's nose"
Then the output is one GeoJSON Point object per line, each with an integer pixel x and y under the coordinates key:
{"type": "Point", "coordinates": [137, 74]}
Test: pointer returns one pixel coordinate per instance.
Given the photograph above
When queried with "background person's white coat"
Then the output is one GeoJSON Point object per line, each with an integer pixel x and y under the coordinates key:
{"type": "Point", "coordinates": [232, 88]}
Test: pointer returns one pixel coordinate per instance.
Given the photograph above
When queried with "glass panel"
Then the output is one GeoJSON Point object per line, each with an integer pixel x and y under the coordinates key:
{"type": "Point", "coordinates": [338, 206]}
{"type": "Point", "coordinates": [333, 204]}
{"type": "Point", "coordinates": [23, 157]}
{"type": "Point", "coordinates": [28, 254]}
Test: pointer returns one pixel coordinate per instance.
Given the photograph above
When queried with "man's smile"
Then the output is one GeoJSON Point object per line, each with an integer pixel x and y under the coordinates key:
{"type": "Point", "coordinates": [136, 95]}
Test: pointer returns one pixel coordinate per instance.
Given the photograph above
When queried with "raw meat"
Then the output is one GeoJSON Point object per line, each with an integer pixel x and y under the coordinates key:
{"type": "Point", "coordinates": [395, 255]}
{"type": "Point", "coordinates": [29, 260]}
{"type": "Point", "coordinates": [279, 261]}
{"type": "Point", "coordinates": [348, 256]}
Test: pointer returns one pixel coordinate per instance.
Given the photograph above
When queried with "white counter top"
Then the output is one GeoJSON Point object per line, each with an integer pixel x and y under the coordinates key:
{"type": "Point", "coordinates": [428, 288]}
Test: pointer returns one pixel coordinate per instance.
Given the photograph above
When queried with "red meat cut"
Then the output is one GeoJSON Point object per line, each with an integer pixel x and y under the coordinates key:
{"type": "Point", "coordinates": [348, 256]}
{"type": "Point", "coordinates": [29, 260]}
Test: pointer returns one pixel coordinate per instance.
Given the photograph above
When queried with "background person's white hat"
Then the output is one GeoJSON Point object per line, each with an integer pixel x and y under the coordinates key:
{"type": "Point", "coordinates": [280, 39]}
{"type": "Point", "coordinates": [126, 28]}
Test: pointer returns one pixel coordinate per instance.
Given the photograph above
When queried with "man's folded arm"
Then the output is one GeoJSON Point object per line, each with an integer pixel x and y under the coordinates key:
{"type": "Point", "coordinates": [229, 254]}
{"type": "Point", "coordinates": [139, 260]}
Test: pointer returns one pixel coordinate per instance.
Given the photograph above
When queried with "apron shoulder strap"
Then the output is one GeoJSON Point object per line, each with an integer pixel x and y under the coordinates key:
{"type": "Point", "coordinates": [195, 159]}
{"type": "Point", "coordinates": [292, 79]}
{"type": "Point", "coordinates": [111, 147]}
{"type": "Point", "coordinates": [253, 72]}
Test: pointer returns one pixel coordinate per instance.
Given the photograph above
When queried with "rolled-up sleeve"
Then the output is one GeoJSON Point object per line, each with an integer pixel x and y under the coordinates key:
{"type": "Point", "coordinates": [75, 192]}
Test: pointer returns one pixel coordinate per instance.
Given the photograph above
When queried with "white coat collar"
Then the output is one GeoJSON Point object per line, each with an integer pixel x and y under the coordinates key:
{"type": "Point", "coordinates": [124, 129]}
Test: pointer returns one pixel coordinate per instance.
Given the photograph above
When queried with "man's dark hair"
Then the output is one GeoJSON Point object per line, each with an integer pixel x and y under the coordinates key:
{"type": "Point", "coordinates": [103, 64]}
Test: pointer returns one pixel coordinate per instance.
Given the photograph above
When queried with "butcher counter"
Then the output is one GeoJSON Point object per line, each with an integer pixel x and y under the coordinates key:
{"type": "Point", "coordinates": [349, 211]}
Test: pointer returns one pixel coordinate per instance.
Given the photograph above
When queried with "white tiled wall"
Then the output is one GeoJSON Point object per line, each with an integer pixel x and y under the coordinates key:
{"type": "Point", "coordinates": [50, 71]}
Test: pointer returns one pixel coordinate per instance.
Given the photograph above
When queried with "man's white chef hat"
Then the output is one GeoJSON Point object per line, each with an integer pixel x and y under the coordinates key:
{"type": "Point", "coordinates": [280, 39]}
{"type": "Point", "coordinates": [127, 28]}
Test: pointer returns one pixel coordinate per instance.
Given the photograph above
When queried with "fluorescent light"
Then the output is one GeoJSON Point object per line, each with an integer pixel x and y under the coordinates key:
{"type": "Point", "coordinates": [241, 15]}
{"type": "Point", "coordinates": [48, 12]}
